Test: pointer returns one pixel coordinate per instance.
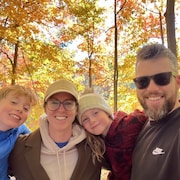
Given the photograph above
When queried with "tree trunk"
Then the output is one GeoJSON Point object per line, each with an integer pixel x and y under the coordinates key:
{"type": "Point", "coordinates": [115, 58]}
{"type": "Point", "coordinates": [170, 25]}
{"type": "Point", "coordinates": [14, 65]}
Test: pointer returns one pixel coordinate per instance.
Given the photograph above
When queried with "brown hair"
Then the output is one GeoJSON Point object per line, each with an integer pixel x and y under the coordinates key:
{"type": "Point", "coordinates": [154, 51]}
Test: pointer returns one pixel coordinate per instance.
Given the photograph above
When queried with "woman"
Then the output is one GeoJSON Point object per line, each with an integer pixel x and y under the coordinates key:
{"type": "Point", "coordinates": [57, 150]}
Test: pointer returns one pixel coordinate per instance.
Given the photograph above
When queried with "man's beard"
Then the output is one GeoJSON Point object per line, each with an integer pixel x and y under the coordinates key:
{"type": "Point", "coordinates": [160, 112]}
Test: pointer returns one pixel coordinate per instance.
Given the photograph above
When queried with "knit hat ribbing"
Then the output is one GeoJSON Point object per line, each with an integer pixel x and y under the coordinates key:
{"type": "Point", "coordinates": [90, 101]}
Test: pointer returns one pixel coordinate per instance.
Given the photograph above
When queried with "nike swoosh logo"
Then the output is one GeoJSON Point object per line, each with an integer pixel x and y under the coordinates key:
{"type": "Point", "coordinates": [158, 151]}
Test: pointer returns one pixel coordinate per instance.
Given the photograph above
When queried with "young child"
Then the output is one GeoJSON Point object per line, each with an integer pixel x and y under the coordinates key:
{"type": "Point", "coordinates": [114, 136]}
{"type": "Point", "coordinates": [15, 105]}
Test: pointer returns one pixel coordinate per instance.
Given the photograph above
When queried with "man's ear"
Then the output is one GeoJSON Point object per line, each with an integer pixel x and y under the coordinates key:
{"type": "Point", "coordinates": [178, 80]}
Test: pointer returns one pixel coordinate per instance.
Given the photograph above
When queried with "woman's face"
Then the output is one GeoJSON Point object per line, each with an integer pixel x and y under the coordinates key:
{"type": "Point", "coordinates": [61, 110]}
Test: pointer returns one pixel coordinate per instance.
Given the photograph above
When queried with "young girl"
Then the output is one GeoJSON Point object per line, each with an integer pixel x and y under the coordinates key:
{"type": "Point", "coordinates": [113, 135]}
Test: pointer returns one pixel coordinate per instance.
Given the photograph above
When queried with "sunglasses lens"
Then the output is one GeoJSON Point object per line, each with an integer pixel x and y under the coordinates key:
{"type": "Point", "coordinates": [142, 82]}
{"type": "Point", "coordinates": [162, 79]}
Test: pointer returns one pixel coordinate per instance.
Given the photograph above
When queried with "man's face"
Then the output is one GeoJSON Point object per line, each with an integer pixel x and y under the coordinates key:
{"type": "Point", "coordinates": [157, 100]}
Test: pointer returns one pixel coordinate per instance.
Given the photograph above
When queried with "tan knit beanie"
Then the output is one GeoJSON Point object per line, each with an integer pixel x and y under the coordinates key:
{"type": "Point", "coordinates": [90, 101]}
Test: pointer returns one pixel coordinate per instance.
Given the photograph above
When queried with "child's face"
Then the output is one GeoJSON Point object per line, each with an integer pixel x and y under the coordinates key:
{"type": "Point", "coordinates": [96, 121]}
{"type": "Point", "coordinates": [14, 110]}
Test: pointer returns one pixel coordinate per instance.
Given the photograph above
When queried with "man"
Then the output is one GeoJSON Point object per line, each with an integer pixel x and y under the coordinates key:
{"type": "Point", "coordinates": [157, 152]}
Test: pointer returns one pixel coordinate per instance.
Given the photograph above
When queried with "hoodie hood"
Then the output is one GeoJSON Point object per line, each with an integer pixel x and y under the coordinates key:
{"type": "Point", "coordinates": [59, 163]}
{"type": "Point", "coordinates": [78, 135]}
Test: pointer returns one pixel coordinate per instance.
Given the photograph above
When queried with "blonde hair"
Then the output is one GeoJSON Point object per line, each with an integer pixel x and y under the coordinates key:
{"type": "Point", "coordinates": [19, 91]}
{"type": "Point", "coordinates": [97, 145]}
{"type": "Point", "coordinates": [95, 142]}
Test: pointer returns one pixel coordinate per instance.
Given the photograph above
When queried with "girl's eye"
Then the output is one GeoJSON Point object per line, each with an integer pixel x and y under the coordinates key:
{"type": "Point", "coordinates": [84, 120]}
{"type": "Point", "coordinates": [96, 112]}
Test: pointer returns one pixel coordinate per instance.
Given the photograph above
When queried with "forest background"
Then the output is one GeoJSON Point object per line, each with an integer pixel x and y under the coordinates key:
{"type": "Point", "coordinates": [93, 43]}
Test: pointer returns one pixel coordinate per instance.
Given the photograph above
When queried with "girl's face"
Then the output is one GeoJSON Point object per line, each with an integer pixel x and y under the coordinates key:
{"type": "Point", "coordinates": [96, 121]}
{"type": "Point", "coordinates": [14, 111]}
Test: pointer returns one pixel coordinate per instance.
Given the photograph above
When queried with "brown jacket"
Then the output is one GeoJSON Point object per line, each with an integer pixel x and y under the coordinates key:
{"type": "Point", "coordinates": [24, 161]}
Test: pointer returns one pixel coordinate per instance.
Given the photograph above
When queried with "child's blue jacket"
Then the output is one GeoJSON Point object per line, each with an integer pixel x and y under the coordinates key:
{"type": "Point", "coordinates": [7, 141]}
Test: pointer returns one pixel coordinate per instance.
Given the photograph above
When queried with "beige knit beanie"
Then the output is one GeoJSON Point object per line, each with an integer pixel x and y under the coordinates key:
{"type": "Point", "coordinates": [90, 101]}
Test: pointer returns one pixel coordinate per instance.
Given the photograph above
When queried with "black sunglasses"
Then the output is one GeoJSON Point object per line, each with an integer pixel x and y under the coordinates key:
{"type": "Point", "coordinates": [160, 79]}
